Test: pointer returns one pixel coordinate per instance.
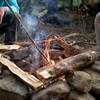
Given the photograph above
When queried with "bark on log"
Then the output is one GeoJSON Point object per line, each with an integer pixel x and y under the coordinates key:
{"type": "Point", "coordinates": [77, 62]}
{"type": "Point", "coordinates": [28, 78]}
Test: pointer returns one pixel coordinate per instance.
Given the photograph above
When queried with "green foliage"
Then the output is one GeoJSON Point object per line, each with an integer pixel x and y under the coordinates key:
{"type": "Point", "coordinates": [61, 3]}
{"type": "Point", "coordinates": [77, 3]}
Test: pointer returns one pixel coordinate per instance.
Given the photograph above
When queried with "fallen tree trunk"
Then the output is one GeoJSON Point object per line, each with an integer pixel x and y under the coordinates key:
{"type": "Point", "coordinates": [27, 78]}
{"type": "Point", "coordinates": [77, 62]}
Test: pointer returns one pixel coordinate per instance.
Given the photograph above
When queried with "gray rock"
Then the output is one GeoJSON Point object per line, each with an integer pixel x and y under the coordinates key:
{"type": "Point", "coordinates": [81, 81]}
{"type": "Point", "coordinates": [94, 71]}
{"type": "Point", "coordinates": [58, 89]}
{"type": "Point", "coordinates": [12, 84]}
{"type": "Point", "coordinates": [5, 95]}
{"type": "Point", "coordinates": [80, 96]}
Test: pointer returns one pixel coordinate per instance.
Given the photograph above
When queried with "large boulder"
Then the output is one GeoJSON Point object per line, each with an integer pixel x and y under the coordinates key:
{"type": "Point", "coordinates": [57, 90]}
{"type": "Point", "coordinates": [12, 84]}
{"type": "Point", "coordinates": [80, 81]}
{"type": "Point", "coordinates": [94, 71]}
{"type": "Point", "coordinates": [5, 95]}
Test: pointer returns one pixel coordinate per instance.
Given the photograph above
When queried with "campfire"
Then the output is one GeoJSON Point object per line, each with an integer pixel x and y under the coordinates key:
{"type": "Point", "coordinates": [47, 67]}
{"type": "Point", "coordinates": [53, 71]}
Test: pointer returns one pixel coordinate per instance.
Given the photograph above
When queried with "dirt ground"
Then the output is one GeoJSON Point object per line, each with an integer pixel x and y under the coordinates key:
{"type": "Point", "coordinates": [79, 31]}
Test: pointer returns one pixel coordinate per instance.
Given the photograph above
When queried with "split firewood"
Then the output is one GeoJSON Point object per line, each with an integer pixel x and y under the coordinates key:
{"type": "Point", "coordinates": [28, 78]}
{"type": "Point", "coordinates": [9, 47]}
{"type": "Point", "coordinates": [77, 62]}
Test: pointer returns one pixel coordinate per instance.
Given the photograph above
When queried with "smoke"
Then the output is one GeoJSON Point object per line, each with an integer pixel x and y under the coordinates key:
{"type": "Point", "coordinates": [30, 22]}
{"type": "Point", "coordinates": [40, 35]}
{"type": "Point", "coordinates": [37, 57]}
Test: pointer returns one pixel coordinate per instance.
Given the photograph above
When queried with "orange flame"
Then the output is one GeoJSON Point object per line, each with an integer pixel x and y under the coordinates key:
{"type": "Point", "coordinates": [46, 50]}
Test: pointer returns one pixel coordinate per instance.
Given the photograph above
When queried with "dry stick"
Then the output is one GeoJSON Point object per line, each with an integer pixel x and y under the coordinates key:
{"type": "Point", "coordinates": [25, 30]}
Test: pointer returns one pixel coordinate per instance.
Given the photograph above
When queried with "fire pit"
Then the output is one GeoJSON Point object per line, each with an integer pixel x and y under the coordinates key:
{"type": "Point", "coordinates": [56, 74]}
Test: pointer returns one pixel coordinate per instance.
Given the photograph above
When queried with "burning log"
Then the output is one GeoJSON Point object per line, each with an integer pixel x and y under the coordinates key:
{"type": "Point", "coordinates": [26, 58]}
{"type": "Point", "coordinates": [77, 62]}
{"type": "Point", "coordinates": [28, 78]}
{"type": "Point", "coordinates": [44, 46]}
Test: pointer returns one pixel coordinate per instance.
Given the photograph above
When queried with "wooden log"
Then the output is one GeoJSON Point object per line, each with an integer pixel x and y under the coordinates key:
{"type": "Point", "coordinates": [77, 62]}
{"type": "Point", "coordinates": [9, 47]}
{"type": "Point", "coordinates": [56, 54]}
{"type": "Point", "coordinates": [18, 54]}
{"type": "Point", "coordinates": [68, 49]}
{"type": "Point", "coordinates": [28, 78]}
